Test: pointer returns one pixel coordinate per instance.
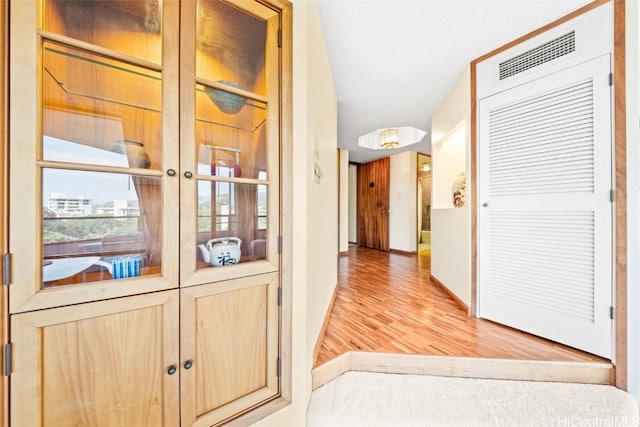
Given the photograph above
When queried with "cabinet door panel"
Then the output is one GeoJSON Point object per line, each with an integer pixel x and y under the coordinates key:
{"type": "Point", "coordinates": [102, 363]}
{"type": "Point", "coordinates": [230, 333]}
{"type": "Point", "coordinates": [230, 139]}
{"type": "Point", "coordinates": [92, 132]}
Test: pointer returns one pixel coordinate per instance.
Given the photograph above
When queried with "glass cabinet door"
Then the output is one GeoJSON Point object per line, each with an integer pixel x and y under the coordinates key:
{"type": "Point", "coordinates": [230, 144]}
{"type": "Point", "coordinates": [97, 153]}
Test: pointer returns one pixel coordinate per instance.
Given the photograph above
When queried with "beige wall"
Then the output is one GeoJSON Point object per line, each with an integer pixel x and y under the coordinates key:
{"type": "Point", "coordinates": [315, 205]}
{"type": "Point", "coordinates": [322, 195]}
{"type": "Point", "coordinates": [343, 240]}
{"type": "Point", "coordinates": [403, 219]}
{"type": "Point", "coordinates": [451, 227]}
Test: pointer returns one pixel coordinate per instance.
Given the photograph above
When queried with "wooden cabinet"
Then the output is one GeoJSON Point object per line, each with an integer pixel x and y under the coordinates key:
{"type": "Point", "coordinates": [145, 210]}
{"type": "Point", "coordinates": [241, 317]}
{"type": "Point", "coordinates": [100, 363]}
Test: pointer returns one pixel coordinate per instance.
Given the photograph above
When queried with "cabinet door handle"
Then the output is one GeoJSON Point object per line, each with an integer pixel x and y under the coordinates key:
{"type": "Point", "coordinates": [485, 204]}
{"type": "Point", "coordinates": [172, 370]}
{"type": "Point", "coordinates": [188, 174]}
{"type": "Point", "coordinates": [171, 172]}
{"type": "Point", "coordinates": [188, 364]}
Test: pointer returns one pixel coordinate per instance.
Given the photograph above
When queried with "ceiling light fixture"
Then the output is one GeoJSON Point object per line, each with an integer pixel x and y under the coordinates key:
{"type": "Point", "coordinates": [389, 138]}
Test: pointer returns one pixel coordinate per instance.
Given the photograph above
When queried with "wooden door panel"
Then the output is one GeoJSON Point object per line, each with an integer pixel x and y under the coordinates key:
{"type": "Point", "coordinates": [102, 363]}
{"type": "Point", "coordinates": [373, 204]}
{"type": "Point", "coordinates": [230, 333]}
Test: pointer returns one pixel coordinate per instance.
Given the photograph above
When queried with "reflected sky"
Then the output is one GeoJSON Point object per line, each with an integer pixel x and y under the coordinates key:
{"type": "Point", "coordinates": [100, 187]}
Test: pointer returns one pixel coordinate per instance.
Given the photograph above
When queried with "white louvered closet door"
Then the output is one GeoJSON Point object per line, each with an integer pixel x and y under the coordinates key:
{"type": "Point", "coordinates": [545, 215]}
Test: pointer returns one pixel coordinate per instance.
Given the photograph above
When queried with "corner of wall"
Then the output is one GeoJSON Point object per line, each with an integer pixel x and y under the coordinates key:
{"type": "Point", "coordinates": [321, 183]}
{"type": "Point", "coordinates": [451, 226]}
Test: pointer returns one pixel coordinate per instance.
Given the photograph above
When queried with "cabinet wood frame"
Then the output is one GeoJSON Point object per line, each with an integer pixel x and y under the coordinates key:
{"type": "Point", "coordinates": [278, 394]}
{"type": "Point", "coordinates": [25, 235]}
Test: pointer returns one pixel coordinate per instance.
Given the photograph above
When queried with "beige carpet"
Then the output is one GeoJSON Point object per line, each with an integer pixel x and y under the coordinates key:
{"type": "Point", "coordinates": [364, 399]}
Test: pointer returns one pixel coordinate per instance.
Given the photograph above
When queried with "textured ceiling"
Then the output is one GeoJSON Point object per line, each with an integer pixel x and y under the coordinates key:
{"type": "Point", "coordinates": [394, 61]}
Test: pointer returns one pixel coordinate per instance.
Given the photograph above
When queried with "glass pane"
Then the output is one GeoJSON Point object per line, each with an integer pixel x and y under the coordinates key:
{"type": "Point", "coordinates": [126, 26]}
{"type": "Point", "coordinates": [231, 44]}
{"type": "Point", "coordinates": [99, 226]}
{"type": "Point", "coordinates": [232, 223]}
{"type": "Point", "coordinates": [99, 111]}
{"type": "Point", "coordinates": [230, 145]}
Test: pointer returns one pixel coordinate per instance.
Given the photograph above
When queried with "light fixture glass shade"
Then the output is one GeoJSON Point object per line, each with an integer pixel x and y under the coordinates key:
{"type": "Point", "coordinates": [387, 138]}
{"type": "Point", "coordinates": [390, 138]}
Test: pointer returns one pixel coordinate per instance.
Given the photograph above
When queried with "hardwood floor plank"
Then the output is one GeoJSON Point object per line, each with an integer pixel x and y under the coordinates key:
{"type": "Point", "coordinates": [386, 302]}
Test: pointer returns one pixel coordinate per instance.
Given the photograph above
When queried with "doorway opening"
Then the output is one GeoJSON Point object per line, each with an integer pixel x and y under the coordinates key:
{"type": "Point", "coordinates": [424, 204]}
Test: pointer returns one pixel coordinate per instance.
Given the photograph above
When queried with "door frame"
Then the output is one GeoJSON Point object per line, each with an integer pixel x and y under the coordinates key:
{"type": "Point", "coordinates": [619, 371]}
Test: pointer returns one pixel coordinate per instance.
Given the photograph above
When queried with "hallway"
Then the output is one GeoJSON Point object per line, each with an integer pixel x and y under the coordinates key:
{"type": "Point", "coordinates": [386, 302]}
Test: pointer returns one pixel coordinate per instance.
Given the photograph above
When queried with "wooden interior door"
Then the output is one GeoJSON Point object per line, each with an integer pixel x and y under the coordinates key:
{"type": "Point", "coordinates": [229, 348]}
{"type": "Point", "coordinates": [104, 363]}
{"type": "Point", "coordinates": [373, 204]}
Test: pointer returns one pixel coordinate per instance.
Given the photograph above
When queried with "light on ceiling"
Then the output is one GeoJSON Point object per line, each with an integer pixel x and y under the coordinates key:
{"type": "Point", "coordinates": [387, 138]}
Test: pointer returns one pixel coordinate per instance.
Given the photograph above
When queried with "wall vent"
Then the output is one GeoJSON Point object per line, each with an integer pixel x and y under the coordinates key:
{"type": "Point", "coordinates": [546, 52]}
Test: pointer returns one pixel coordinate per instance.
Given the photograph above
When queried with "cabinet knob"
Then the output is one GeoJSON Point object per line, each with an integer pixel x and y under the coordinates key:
{"type": "Point", "coordinates": [485, 204]}
{"type": "Point", "coordinates": [172, 370]}
{"type": "Point", "coordinates": [188, 364]}
{"type": "Point", "coordinates": [171, 172]}
{"type": "Point", "coordinates": [188, 174]}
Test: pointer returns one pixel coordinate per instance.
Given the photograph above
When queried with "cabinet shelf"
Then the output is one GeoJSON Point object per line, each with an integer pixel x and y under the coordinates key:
{"type": "Point", "coordinates": [87, 76]}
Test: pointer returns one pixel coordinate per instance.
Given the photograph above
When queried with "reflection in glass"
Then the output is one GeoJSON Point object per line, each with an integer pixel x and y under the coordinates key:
{"type": "Point", "coordinates": [99, 226]}
{"type": "Point", "coordinates": [232, 145]}
{"type": "Point", "coordinates": [125, 26]}
{"type": "Point", "coordinates": [230, 45]}
{"type": "Point", "coordinates": [228, 210]}
{"type": "Point", "coordinates": [91, 101]}
{"type": "Point", "coordinates": [217, 109]}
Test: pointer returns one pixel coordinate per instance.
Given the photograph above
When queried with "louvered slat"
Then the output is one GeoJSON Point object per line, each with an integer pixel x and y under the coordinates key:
{"type": "Point", "coordinates": [544, 260]}
{"type": "Point", "coordinates": [543, 144]}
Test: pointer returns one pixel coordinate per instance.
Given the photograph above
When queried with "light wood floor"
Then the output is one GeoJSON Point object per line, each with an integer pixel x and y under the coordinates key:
{"type": "Point", "coordinates": [386, 302]}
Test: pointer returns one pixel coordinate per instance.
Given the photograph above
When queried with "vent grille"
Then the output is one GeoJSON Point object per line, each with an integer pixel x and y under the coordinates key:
{"type": "Point", "coordinates": [549, 51]}
{"type": "Point", "coordinates": [544, 260]}
{"type": "Point", "coordinates": [544, 144]}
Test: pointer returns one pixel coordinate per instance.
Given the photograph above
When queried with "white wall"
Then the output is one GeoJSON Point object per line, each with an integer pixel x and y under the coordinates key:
{"type": "Point", "coordinates": [633, 197]}
{"type": "Point", "coordinates": [450, 250]}
{"type": "Point", "coordinates": [315, 222]}
{"type": "Point", "coordinates": [353, 203]}
{"type": "Point", "coordinates": [451, 227]}
{"type": "Point", "coordinates": [343, 238]}
{"type": "Point", "coordinates": [451, 155]}
{"type": "Point", "coordinates": [403, 179]}
{"type": "Point", "coordinates": [322, 196]}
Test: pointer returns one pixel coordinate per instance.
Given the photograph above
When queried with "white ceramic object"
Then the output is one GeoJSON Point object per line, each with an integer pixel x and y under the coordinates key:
{"type": "Point", "coordinates": [56, 269]}
{"type": "Point", "coordinates": [222, 251]}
